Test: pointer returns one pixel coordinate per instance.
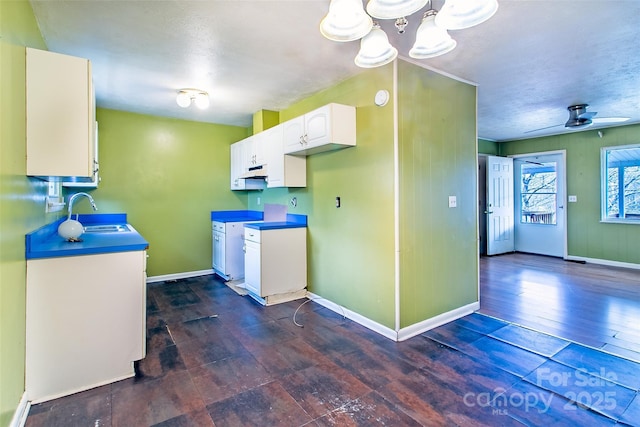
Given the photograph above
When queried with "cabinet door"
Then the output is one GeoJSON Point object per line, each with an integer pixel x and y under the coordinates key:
{"type": "Point", "coordinates": [317, 127]}
{"type": "Point", "coordinates": [60, 115]}
{"type": "Point", "coordinates": [83, 329]}
{"type": "Point", "coordinates": [93, 183]}
{"type": "Point", "coordinates": [254, 151]}
{"type": "Point", "coordinates": [252, 267]}
{"type": "Point", "coordinates": [274, 156]}
{"type": "Point", "coordinates": [237, 165]}
{"type": "Point", "coordinates": [292, 133]}
{"type": "Point", "coordinates": [219, 252]}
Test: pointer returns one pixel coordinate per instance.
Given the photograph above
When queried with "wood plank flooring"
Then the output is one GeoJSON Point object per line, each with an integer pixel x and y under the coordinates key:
{"type": "Point", "coordinates": [215, 358]}
{"type": "Point", "coordinates": [591, 304]}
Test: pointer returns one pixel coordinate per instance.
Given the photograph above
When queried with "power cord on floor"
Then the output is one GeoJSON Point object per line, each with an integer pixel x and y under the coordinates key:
{"type": "Point", "coordinates": [309, 300]}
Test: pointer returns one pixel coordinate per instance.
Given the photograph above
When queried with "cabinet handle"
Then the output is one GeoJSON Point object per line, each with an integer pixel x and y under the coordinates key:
{"type": "Point", "coordinates": [301, 140]}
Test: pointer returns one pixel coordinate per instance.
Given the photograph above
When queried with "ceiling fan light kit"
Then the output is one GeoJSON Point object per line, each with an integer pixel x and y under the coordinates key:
{"type": "Point", "coordinates": [348, 21]}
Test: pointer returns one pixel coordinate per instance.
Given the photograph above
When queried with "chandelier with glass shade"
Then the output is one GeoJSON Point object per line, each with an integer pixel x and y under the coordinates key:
{"type": "Point", "coordinates": [347, 21]}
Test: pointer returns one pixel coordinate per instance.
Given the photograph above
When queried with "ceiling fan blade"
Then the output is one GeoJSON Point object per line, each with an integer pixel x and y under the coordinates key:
{"type": "Point", "coordinates": [603, 120]}
{"type": "Point", "coordinates": [539, 129]}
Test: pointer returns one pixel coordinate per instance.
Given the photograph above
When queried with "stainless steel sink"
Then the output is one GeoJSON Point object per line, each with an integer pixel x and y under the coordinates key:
{"type": "Point", "coordinates": [106, 228]}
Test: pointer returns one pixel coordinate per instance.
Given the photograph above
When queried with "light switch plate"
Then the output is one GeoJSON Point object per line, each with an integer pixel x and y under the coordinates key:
{"type": "Point", "coordinates": [453, 201]}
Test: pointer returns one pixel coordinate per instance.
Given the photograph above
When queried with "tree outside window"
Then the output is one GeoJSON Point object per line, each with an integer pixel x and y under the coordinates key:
{"type": "Point", "coordinates": [538, 188]}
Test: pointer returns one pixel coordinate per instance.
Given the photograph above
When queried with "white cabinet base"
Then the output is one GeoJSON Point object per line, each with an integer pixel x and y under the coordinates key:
{"type": "Point", "coordinates": [85, 322]}
{"type": "Point", "coordinates": [275, 264]}
{"type": "Point", "coordinates": [279, 298]}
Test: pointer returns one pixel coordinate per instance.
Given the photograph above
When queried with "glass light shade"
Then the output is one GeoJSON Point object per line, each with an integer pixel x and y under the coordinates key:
{"type": "Point", "coordinates": [183, 99]}
{"type": "Point", "coordinates": [346, 21]}
{"type": "Point", "coordinates": [392, 9]}
{"type": "Point", "coordinates": [460, 14]}
{"type": "Point", "coordinates": [202, 100]}
{"type": "Point", "coordinates": [375, 49]}
{"type": "Point", "coordinates": [431, 40]}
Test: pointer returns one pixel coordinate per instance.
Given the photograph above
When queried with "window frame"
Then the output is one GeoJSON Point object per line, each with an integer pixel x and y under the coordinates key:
{"type": "Point", "coordinates": [554, 194]}
{"type": "Point", "coordinates": [604, 182]}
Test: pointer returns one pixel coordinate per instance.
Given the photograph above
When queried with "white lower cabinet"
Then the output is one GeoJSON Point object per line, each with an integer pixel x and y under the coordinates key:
{"type": "Point", "coordinates": [276, 263]}
{"type": "Point", "coordinates": [86, 322]}
{"type": "Point", "coordinates": [228, 258]}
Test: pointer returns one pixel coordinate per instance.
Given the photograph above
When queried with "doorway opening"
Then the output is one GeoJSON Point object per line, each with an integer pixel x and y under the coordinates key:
{"type": "Point", "coordinates": [522, 204]}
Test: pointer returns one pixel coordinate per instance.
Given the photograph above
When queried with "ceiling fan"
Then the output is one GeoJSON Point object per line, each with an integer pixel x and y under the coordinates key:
{"type": "Point", "coordinates": [579, 118]}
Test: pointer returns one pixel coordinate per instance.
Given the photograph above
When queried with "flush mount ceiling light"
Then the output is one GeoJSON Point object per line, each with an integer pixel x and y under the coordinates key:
{"type": "Point", "coordinates": [188, 96]}
{"type": "Point", "coordinates": [347, 21]}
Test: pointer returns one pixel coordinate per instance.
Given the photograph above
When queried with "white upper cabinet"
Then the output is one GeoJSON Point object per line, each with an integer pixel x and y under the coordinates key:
{"type": "Point", "coordinates": [60, 116]}
{"type": "Point", "coordinates": [240, 159]}
{"type": "Point", "coordinates": [282, 170]}
{"type": "Point", "coordinates": [327, 128]}
{"type": "Point", "coordinates": [254, 151]}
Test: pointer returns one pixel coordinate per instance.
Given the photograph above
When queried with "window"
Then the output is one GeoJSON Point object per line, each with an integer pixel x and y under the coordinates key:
{"type": "Point", "coordinates": [538, 187]}
{"type": "Point", "coordinates": [621, 183]}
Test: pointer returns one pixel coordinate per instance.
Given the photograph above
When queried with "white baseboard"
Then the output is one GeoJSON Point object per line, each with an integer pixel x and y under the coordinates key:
{"type": "Point", "coordinates": [606, 262]}
{"type": "Point", "coordinates": [352, 315]}
{"type": "Point", "coordinates": [404, 333]}
{"type": "Point", "coordinates": [178, 276]}
{"type": "Point", "coordinates": [20, 416]}
{"type": "Point", "coordinates": [439, 320]}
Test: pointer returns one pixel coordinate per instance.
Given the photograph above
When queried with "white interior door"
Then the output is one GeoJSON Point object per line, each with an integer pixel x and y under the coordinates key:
{"type": "Point", "coordinates": [539, 204]}
{"type": "Point", "coordinates": [500, 208]}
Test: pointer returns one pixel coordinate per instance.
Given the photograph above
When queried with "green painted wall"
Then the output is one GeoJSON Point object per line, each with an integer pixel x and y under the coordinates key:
{"type": "Point", "coordinates": [586, 235]}
{"type": "Point", "coordinates": [264, 119]}
{"type": "Point", "coordinates": [167, 175]}
{"type": "Point", "coordinates": [21, 198]}
{"type": "Point", "coordinates": [437, 159]}
{"type": "Point", "coordinates": [350, 249]}
{"type": "Point", "coordinates": [488, 147]}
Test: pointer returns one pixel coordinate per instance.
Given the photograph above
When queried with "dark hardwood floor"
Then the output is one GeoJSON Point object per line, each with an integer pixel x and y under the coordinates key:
{"type": "Point", "coordinates": [588, 303]}
{"type": "Point", "coordinates": [217, 358]}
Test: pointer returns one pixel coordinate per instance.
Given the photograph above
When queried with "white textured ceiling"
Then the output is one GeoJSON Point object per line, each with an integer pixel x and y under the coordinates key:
{"type": "Point", "coordinates": [530, 61]}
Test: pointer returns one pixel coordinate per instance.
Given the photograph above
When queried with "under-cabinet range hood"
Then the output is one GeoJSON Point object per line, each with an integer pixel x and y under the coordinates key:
{"type": "Point", "coordinates": [255, 172]}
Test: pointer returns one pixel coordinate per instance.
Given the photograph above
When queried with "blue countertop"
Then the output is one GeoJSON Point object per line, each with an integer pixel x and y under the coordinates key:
{"type": "Point", "coordinates": [293, 221]}
{"type": "Point", "coordinates": [236, 216]}
{"type": "Point", "coordinates": [46, 243]}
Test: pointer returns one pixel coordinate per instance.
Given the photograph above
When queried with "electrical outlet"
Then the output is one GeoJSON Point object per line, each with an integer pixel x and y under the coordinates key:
{"type": "Point", "coordinates": [573, 199]}
{"type": "Point", "coordinates": [453, 201]}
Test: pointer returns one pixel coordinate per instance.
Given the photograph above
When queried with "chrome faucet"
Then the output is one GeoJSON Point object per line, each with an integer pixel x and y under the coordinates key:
{"type": "Point", "coordinates": [75, 196]}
